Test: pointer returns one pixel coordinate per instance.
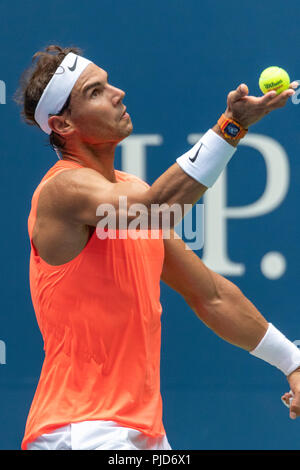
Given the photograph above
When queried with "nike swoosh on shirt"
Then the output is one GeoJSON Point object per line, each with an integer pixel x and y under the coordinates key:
{"type": "Point", "coordinates": [73, 66]}
{"type": "Point", "coordinates": [194, 158]}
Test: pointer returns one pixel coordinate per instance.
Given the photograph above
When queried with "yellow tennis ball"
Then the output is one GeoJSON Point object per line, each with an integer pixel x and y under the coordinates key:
{"type": "Point", "coordinates": [274, 78]}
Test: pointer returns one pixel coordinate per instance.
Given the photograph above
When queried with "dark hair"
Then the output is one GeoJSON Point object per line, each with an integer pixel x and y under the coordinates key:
{"type": "Point", "coordinates": [34, 80]}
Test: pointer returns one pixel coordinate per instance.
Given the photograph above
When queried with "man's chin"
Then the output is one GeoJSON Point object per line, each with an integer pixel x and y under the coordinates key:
{"type": "Point", "coordinates": [130, 129]}
{"type": "Point", "coordinates": [126, 132]}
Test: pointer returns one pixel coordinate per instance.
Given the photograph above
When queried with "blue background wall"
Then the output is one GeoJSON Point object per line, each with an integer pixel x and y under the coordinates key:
{"type": "Point", "coordinates": [176, 60]}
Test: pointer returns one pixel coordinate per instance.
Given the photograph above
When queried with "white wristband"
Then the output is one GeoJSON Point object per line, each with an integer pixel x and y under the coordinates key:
{"type": "Point", "coordinates": [278, 351]}
{"type": "Point", "coordinates": [207, 159]}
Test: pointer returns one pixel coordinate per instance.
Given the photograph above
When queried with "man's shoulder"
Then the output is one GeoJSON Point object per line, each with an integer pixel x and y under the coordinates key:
{"type": "Point", "coordinates": [124, 176]}
{"type": "Point", "coordinates": [74, 187]}
{"type": "Point", "coordinates": [62, 177]}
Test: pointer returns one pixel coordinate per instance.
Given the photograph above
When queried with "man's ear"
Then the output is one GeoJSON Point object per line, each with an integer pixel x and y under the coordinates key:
{"type": "Point", "coordinates": [61, 125]}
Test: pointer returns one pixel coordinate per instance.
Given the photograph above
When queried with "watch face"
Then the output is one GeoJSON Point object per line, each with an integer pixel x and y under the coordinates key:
{"type": "Point", "coordinates": [232, 129]}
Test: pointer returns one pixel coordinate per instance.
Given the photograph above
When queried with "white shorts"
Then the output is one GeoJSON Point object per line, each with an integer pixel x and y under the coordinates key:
{"type": "Point", "coordinates": [98, 435]}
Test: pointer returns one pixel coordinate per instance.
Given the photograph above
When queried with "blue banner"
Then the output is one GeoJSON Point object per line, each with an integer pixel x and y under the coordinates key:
{"type": "Point", "coordinates": [177, 61]}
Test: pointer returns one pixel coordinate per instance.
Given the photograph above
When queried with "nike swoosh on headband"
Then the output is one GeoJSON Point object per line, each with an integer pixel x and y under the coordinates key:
{"type": "Point", "coordinates": [73, 66]}
{"type": "Point", "coordinates": [194, 158]}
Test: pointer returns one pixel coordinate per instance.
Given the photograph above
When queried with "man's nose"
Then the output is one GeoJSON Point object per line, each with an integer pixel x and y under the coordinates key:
{"type": "Point", "coordinates": [118, 95]}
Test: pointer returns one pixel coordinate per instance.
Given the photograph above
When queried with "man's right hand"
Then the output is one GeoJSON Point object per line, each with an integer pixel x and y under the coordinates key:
{"type": "Point", "coordinates": [248, 110]}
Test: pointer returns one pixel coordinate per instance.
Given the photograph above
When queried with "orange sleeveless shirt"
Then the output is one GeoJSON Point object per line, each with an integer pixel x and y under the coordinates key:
{"type": "Point", "coordinates": [100, 318]}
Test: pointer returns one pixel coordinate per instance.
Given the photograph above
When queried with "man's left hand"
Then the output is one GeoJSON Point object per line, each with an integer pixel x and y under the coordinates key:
{"type": "Point", "coordinates": [293, 397]}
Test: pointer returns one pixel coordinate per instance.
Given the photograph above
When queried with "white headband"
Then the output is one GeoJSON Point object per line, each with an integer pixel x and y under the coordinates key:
{"type": "Point", "coordinates": [58, 89]}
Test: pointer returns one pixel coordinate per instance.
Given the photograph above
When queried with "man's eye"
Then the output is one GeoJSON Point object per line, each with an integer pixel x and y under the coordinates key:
{"type": "Point", "coordinates": [95, 92]}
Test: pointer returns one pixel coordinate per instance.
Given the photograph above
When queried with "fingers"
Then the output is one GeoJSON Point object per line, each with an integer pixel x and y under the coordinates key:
{"type": "Point", "coordinates": [295, 406]}
{"type": "Point", "coordinates": [242, 91]}
{"type": "Point", "coordinates": [287, 398]}
{"type": "Point", "coordinates": [281, 100]}
{"type": "Point", "coordinates": [248, 110]}
{"type": "Point", "coordinates": [268, 102]}
{"type": "Point", "coordinates": [292, 401]}
{"type": "Point", "coordinates": [273, 101]}
{"type": "Point", "coordinates": [268, 97]}
{"type": "Point", "coordinates": [294, 85]}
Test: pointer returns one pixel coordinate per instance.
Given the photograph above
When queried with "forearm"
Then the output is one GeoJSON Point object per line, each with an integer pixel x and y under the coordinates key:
{"type": "Point", "coordinates": [188, 186]}
{"type": "Point", "coordinates": [231, 316]}
{"type": "Point", "coordinates": [223, 308]}
{"type": "Point", "coordinates": [173, 194]}
{"type": "Point", "coordinates": [186, 181]}
{"type": "Point", "coordinates": [176, 186]}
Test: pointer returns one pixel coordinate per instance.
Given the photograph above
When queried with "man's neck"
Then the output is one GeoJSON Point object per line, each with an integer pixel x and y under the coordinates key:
{"type": "Point", "coordinates": [99, 158]}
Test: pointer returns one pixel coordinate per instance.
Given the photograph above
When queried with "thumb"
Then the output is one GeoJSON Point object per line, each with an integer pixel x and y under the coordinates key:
{"type": "Point", "coordinates": [241, 91]}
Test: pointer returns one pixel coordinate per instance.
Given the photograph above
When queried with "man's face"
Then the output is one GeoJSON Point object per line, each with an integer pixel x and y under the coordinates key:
{"type": "Point", "coordinates": [97, 111]}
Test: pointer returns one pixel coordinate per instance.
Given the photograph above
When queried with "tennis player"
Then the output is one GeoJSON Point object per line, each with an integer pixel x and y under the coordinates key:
{"type": "Point", "coordinates": [97, 297]}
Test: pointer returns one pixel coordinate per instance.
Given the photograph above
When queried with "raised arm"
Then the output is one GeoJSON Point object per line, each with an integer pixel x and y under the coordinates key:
{"type": "Point", "coordinates": [76, 194]}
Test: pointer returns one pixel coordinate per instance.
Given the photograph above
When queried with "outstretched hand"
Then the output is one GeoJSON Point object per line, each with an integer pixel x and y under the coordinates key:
{"type": "Point", "coordinates": [248, 110]}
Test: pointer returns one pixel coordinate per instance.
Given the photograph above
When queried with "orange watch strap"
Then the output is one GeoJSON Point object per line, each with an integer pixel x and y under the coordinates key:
{"type": "Point", "coordinates": [224, 121]}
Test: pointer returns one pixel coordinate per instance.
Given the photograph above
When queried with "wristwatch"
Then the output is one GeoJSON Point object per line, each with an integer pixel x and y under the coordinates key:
{"type": "Point", "coordinates": [231, 129]}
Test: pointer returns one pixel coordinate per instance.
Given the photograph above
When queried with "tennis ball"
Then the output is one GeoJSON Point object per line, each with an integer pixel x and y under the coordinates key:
{"type": "Point", "coordinates": [274, 78]}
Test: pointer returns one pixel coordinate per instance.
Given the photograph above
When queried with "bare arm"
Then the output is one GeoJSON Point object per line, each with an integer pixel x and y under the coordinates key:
{"type": "Point", "coordinates": [76, 194]}
{"type": "Point", "coordinates": [220, 305]}
{"type": "Point", "coordinates": [216, 301]}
